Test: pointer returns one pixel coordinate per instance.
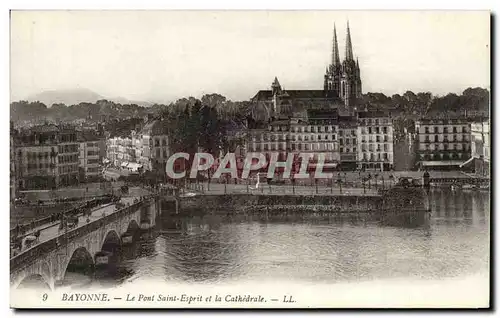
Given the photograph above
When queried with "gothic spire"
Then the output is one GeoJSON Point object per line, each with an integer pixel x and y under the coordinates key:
{"type": "Point", "coordinates": [335, 48]}
{"type": "Point", "coordinates": [348, 45]}
{"type": "Point", "coordinates": [276, 83]}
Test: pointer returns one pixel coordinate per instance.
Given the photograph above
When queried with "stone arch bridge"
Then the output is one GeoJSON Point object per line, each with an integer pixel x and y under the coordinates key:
{"type": "Point", "coordinates": [50, 259]}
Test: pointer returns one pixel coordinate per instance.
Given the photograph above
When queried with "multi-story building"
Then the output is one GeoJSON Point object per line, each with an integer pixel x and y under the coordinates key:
{"type": "Point", "coordinates": [90, 156]}
{"type": "Point", "coordinates": [480, 147]}
{"type": "Point", "coordinates": [348, 142]}
{"type": "Point", "coordinates": [375, 141]}
{"type": "Point", "coordinates": [315, 134]}
{"type": "Point", "coordinates": [155, 146]}
{"type": "Point", "coordinates": [443, 143]}
{"type": "Point", "coordinates": [47, 157]}
{"type": "Point", "coordinates": [120, 150]}
{"type": "Point", "coordinates": [13, 164]}
{"type": "Point", "coordinates": [147, 150]}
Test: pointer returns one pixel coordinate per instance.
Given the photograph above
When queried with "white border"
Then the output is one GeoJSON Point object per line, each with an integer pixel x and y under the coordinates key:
{"type": "Point", "coordinates": [200, 4]}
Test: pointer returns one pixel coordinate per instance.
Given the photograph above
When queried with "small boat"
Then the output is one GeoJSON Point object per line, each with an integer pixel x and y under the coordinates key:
{"type": "Point", "coordinates": [102, 257]}
{"type": "Point", "coordinates": [127, 238]}
{"type": "Point", "coordinates": [188, 195]}
{"type": "Point", "coordinates": [145, 225]}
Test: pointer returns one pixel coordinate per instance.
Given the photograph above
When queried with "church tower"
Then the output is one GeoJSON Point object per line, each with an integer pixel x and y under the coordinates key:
{"type": "Point", "coordinates": [332, 75]}
{"type": "Point", "coordinates": [350, 80]}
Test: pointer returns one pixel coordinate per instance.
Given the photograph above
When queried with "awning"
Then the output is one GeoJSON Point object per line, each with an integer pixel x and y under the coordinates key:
{"type": "Point", "coordinates": [471, 159]}
{"type": "Point", "coordinates": [440, 163]}
{"type": "Point", "coordinates": [124, 164]}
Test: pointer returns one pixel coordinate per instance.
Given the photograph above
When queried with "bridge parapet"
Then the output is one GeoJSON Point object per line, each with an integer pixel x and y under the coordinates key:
{"type": "Point", "coordinates": [27, 257]}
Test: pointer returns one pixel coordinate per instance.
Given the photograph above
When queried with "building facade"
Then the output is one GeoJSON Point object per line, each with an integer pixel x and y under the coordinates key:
{"type": "Point", "coordinates": [443, 143]}
{"type": "Point", "coordinates": [155, 146]}
{"type": "Point", "coordinates": [47, 156]}
{"type": "Point", "coordinates": [480, 147]}
{"type": "Point", "coordinates": [149, 149]}
{"type": "Point", "coordinates": [375, 141]}
{"type": "Point", "coordinates": [13, 164]}
{"type": "Point", "coordinates": [90, 156]}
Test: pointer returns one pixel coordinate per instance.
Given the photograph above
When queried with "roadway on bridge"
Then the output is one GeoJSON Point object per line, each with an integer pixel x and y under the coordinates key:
{"type": "Point", "coordinates": [50, 231]}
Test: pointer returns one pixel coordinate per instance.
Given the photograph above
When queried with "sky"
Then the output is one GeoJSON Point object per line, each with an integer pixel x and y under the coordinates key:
{"type": "Point", "coordinates": [160, 56]}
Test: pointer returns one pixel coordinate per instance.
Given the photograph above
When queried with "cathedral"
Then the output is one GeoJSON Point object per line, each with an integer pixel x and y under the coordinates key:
{"type": "Point", "coordinates": [342, 88]}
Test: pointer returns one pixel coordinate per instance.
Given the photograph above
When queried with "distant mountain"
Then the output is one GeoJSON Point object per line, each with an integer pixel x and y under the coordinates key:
{"type": "Point", "coordinates": [76, 96]}
{"type": "Point", "coordinates": [66, 96]}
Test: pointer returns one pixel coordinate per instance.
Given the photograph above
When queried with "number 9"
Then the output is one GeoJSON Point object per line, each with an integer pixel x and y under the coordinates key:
{"type": "Point", "coordinates": [45, 296]}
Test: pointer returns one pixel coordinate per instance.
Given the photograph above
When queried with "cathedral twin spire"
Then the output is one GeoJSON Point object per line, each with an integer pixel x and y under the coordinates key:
{"type": "Point", "coordinates": [343, 80]}
{"type": "Point", "coordinates": [349, 56]}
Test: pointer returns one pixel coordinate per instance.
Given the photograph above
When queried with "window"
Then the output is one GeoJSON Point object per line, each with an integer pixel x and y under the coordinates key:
{"type": "Point", "coordinates": [426, 130]}
{"type": "Point", "coordinates": [384, 130]}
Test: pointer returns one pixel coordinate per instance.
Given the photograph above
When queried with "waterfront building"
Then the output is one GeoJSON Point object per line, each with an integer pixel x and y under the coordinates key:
{"type": "Point", "coordinates": [48, 157]}
{"type": "Point", "coordinates": [120, 150]}
{"type": "Point", "coordinates": [155, 146]}
{"type": "Point", "coordinates": [13, 163]}
{"type": "Point", "coordinates": [348, 142]}
{"type": "Point", "coordinates": [148, 149]}
{"type": "Point", "coordinates": [443, 143]}
{"type": "Point", "coordinates": [375, 141]}
{"type": "Point", "coordinates": [90, 156]}
{"type": "Point", "coordinates": [480, 148]}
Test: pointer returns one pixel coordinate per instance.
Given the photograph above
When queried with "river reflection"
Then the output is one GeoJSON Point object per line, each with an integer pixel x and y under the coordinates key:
{"type": "Point", "coordinates": [219, 250]}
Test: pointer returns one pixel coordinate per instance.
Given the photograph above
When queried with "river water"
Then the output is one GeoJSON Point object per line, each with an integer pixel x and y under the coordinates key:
{"type": "Point", "coordinates": [454, 244]}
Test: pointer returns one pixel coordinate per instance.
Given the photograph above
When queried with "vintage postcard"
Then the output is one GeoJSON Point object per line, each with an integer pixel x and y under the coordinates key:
{"type": "Point", "coordinates": [250, 159]}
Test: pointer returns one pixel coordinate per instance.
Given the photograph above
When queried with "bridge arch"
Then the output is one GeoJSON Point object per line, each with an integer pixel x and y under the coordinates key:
{"type": "Point", "coordinates": [110, 241]}
{"type": "Point", "coordinates": [133, 225]}
{"type": "Point", "coordinates": [80, 259]}
{"type": "Point", "coordinates": [35, 281]}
